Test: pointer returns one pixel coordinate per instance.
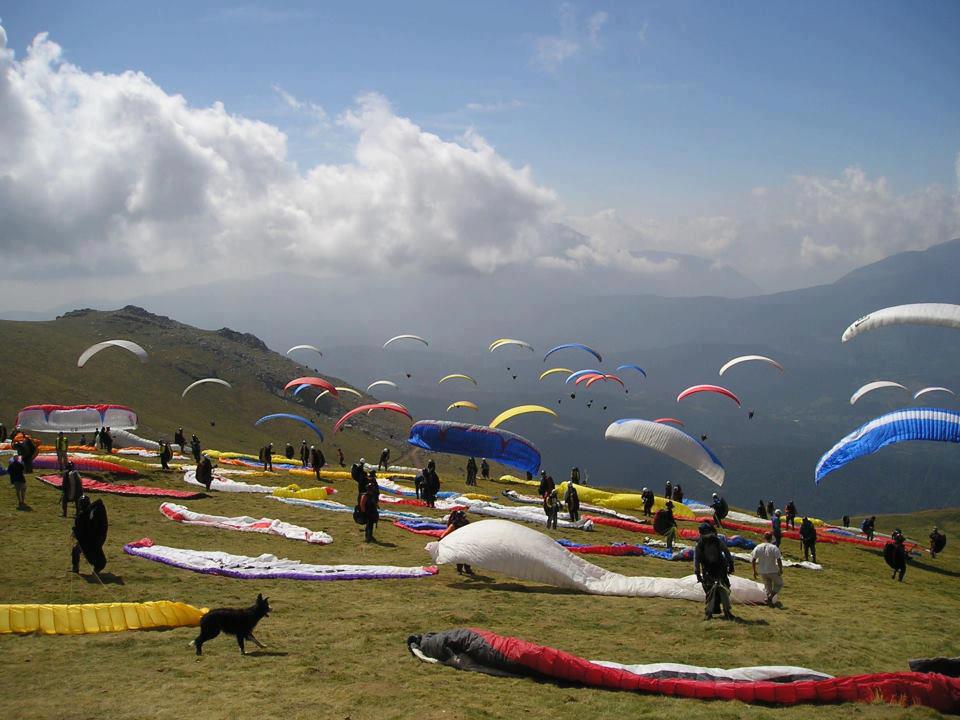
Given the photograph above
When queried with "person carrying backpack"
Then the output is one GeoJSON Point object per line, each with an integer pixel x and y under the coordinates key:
{"type": "Point", "coordinates": [551, 506]}
{"type": "Point", "coordinates": [370, 507]}
{"type": "Point", "coordinates": [204, 472]}
{"type": "Point", "coordinates": [431, 484]}
{"type": "Point", "coordinates": [571, 499]}
{"type": "Point", "coordinates": [304, 454]}
{"type": "Point", "coordinates": [317, 460]}
{"type": "Point", "coordinates": [938, 541]}
{"type": "Point", "coordinates": [484, 469]}
{"type": "Point", "coordinates": [648, 498]}
{"type": "Point", "coordinates": [166, 454]}
{"type": "Point", "coordinates": [62, 446]}
{"type": "Point", "coordinates": [720, 509]}
{"type": "Point", "coordinates": [808, 538]}
{"type": "Point", "coordinates": [70, 489]}
{"type": "Point", "coordinates": [713, 564]}
{"type": "Point", "coordinates": [791, 512]}
{"type": "Point", "coordinates": [358, 473]}
{"type": "Point", "coordinates": [471, 472]}
{"type": "Point", "coordinates": [665, 524]}
{"type": "Point", "coordinates": [868, 526]}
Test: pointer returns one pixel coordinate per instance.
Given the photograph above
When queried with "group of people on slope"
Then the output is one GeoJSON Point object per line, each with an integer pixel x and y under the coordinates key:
{"type": "Point", "coordinates": [552, 505]}
{"type": "Point", "coordinates": [484, 471]}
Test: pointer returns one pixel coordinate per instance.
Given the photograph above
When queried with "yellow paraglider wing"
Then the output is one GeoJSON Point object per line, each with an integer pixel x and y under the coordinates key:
{"type": "Point", "coordinates": [520, 410]}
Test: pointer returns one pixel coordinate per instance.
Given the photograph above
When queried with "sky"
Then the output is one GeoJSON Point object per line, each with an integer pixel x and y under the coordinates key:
{"type": "Point", "coordinates": [175, 143]}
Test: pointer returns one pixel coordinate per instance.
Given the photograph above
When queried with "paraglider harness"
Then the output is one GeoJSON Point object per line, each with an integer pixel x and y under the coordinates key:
{"type": "Point", "coordinates": [663, 520]}
{"type": "Point", "coordinates": [90, 531]}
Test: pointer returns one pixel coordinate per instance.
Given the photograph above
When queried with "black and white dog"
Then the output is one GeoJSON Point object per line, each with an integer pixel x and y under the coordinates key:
{"type": "Point", "coordinates": [234, 621]}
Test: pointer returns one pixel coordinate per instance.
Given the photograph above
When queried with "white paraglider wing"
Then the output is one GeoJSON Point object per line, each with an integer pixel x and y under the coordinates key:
{"type": "Point", "coordinates": [378, 383]}
{"type": "Point", "coordinates": [305, 347]}
{"type": "Point", "coordinates": [937, 388]}
{"type": "Point", "coordinates": [871, 386]}
{"type": "Point", "coordinates": [192, 385]}
{"type": "Point", "coordinates": [128, 345]}
{"type": "Point", "coordinates": [669, 441]}
{"type": "Point", "coordinates": [940, 314]}
{"type": "Point", "coordinates": [750, 358]}
{"type": "Point", "coordinates": [405, 337]}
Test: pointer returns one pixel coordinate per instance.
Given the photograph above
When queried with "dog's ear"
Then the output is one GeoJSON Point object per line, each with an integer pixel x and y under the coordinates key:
{"type": "Point", "coordinates": [259, 597]}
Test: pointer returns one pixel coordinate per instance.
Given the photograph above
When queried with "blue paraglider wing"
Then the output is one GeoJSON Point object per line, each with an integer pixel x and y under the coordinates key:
{"type": "Point", "coordinates": [476, 441]}
{"type": "Point", "coordinates": [910, 424]}
{"type": "Point", "coordinates": [578, 346]}
{"type": "Point", "coordinates": [632, 367]}
{"type": "Point", "coordinates": [290, 416]}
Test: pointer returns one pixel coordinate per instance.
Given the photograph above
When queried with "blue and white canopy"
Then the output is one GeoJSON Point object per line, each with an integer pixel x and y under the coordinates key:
{"type": "Point", "coordinates": [910, 424]}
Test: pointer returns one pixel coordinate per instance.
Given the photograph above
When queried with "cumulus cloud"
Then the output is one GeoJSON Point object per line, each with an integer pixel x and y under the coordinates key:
{"type": "Point", "coordinates": [810, 230]}
{"type": "Point", "coordinates": [552, 50]}
{"type": "Point", "coordinates": [110, 173]}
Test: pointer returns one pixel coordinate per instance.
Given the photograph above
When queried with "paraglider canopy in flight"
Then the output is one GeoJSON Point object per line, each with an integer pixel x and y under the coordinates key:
{"type": "Point", "coordinates": [605, 378]}
{"type": "Point", "coordinates": [750, 358]}
{"type": "Point", "coordinates": [553, 371]}
{"type": "Point", "coordinates": [504, 342]}
{"type": "Point", "coordinates": [290, 416]}
{"type": "Point", "coordinates": [456, 376]}
{"type": "Point", "coordinates": [632, 367]}
{"type": "Point", "coordinates": [405, 337]}
{"type": "Point", "coordinates": [694, 389]}
{"type": "Point", "coordinates": [577, 346]}
{"type": "Point", "coordinates": [871, 386]}
{"type": "Point", "coordinates": [340, 388]}
{"type": "Point", "coordinates": [901, 425]}
{"type": "Point", "coordinates": [580, 373]}
{"type": "Point", "coordinates": [192, 385]}
{"type": "Point", "coordinates": [937, 388]}
{"type": "Point", "coordinates": [313, 382]}
{"type": "Point", "coordinates": [393, 407]}
{"type": "Point", "coordinates": [128, 345]}
{"type": "Point", "coordinates": [672, 421]}
{"type": "Point", "coordinates": [378, 383]}
{"type": "Point", "coordinates": [670, 441]}
{"type": "Point", "coordinates": [476, 441]}
{"type": "Point", "coordinates": [462, 404]}
{"type": "Point", "coordinates": [940, 314]}
{"type": "Point", "coordinates": [305, 347]}
{"type": "Point", "coordinates": [520, 410]}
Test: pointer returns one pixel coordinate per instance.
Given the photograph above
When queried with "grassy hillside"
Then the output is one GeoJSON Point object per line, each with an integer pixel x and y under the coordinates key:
{"type": "Point", "coordinates": [337, 649]}
{"type": "Point", "coordinates": [40, 366]}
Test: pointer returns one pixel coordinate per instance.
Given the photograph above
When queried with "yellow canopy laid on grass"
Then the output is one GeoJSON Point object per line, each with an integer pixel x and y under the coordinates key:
{"type": "Point", "coordinates": [514, 480]}
{"type": "Point", "coordinates": [97, 617]}
{"type": "Point", "coordinates": [623, 501]}
{"type": "Point", "coordinates": [295, 491]}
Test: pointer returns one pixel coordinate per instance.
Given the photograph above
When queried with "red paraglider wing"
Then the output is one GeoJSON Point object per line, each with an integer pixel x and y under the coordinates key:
{"type": "Point", "coordinates": [315, 382]}
{"type": "Point", "coordinates": [376, 406]}
{"type": "Point", "coordinates": [693, 390]}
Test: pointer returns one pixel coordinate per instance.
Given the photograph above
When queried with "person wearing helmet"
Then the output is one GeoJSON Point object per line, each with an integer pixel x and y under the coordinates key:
{"type": "Point", "coordinates": [648, 498]}
{"type": "Point", "coordinates": [869, 526]}
{"type": "Point", "coordinates": [359, 474]}
{"type": "Point", "coordinates": [384, 461]}
{"type": "Point", "coordinates": [205, 472]}
{"type": "Point", "coordinates": [713, 564]}
{"type": "Point", "coordinates": [720, 509]}
{"type": "Point", "coordinates": [266, 457]}
{"type": "Point", "coordinates": [899, 554]}
{"type": "Point", "coordinates": [431, 484]}
{"type": "Point", "coordinates": [546, 485]}
{"type": "Point", "coordinates": [571, 499]}
{"type": "Point", "coordinates": [304, 454]}
{"type": "Point", "coordinates": [777, 528]}
{"type": "Point", "coordinates": [166, 454]}
{"type": "Point", "coordinates": [484, 469]}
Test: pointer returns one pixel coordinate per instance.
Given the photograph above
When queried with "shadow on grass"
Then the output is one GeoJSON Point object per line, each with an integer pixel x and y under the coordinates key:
{"type": "Point", "coordinates": [932, 568]}
{"type": "Point", "coordinates": [381, 543]}
{"type": "Point", "coordinates": [482, 582]}
{"type": "Point", "coordinates": [267, 653]}
{"type": "Point", "coordinates": [24, 508]}
{"type": "Point", "coordinates": [105, 578]}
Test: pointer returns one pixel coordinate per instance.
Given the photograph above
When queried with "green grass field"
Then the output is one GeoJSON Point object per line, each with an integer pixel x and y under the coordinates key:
{"type": "Point", "coordinates": [337, 649]}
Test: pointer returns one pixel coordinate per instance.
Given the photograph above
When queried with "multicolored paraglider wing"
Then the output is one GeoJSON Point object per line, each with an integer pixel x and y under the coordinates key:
{"type": "Point", "coordinates": [911, 424]}
{"type": "Point", "coordinates": [484, 651]}
{"type": "Point", "coordinates": [504, 342]}
{"type": "Point", "coordinates": [670, 441]}
{"type": "Point", "coordinates": [462, 404]}
{"type": "Point", "coordinates": [312, 382]}
{"type": "Point", "coordinates": [580, 373]}
{"type": "Point", "coordinates": [76, 418]}
{"type": "Point", "coordinates": [940, 314]}
{"type": "Point", "coordinates": [393, 407]}
{"type": "Point", "coordinates": [476, 441]}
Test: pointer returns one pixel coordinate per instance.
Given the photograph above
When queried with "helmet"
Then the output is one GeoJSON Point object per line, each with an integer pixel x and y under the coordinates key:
{"type": "Point", "coordinates": [363, 461]}
{"type": "Point", "coordinates": [646, 490]}
{"type": "Point", "coordinates": [777, 513]}
{"type": "Point", "coordinates": [715, 496]}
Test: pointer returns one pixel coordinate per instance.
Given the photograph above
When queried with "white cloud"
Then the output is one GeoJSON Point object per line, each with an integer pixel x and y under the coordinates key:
{"type": "Point", "coordinates": [493, 107]}
{"type": "Point", "coordinates": [642, 32]}
{"type": "Point", "coordinates": [595, 26]}
{"type": "Point", "coordinates": [102, 172]}
{"type": "Point", "coordinates": [552, 50]}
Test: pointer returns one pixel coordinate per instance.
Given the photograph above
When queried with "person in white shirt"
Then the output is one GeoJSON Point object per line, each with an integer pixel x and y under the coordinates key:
{"type": "Point", "coordinates": [768, 564]}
